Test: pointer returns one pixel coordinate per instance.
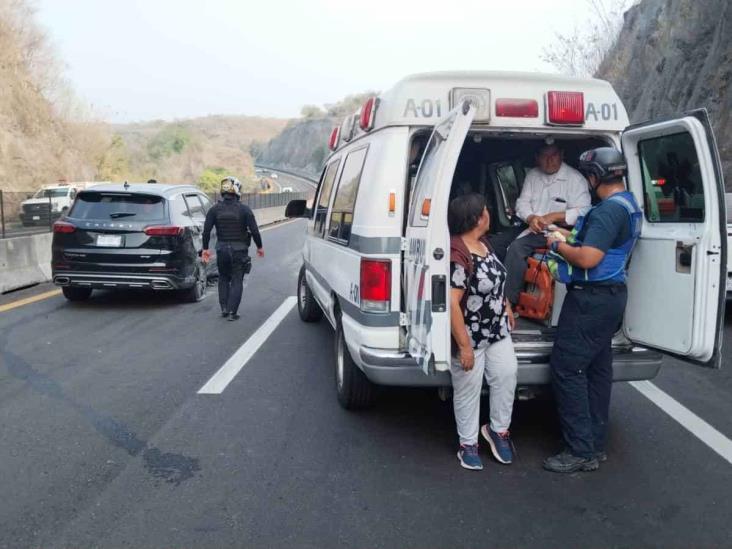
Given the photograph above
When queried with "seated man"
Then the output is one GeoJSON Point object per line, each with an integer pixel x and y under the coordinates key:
{"type": "Point", "coordinates": [553, 193]}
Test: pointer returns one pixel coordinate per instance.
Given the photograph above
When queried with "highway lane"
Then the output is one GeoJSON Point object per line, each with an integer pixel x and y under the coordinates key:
{"type": "Point", "coordinates": [107, 443]}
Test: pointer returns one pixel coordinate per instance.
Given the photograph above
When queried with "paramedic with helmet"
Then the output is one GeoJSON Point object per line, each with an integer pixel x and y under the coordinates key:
{"type": "Point", "coordinates": [592, 261]}
{"type": "Point", "coordinates": [235, 228]}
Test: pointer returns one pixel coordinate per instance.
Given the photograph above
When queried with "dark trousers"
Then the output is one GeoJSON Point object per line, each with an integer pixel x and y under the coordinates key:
{"type": "Point", "coordinates": [513, 253]}
{"type": "Point", "coordinates": [233, 265]}
{"type": "Point", "coordinates": [582, 365]}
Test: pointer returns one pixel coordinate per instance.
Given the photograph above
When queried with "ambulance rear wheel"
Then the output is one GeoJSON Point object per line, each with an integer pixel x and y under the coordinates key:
{"type": "Point", "coordinates": [353, 387]}
{"type": "Point", "coordinates": [308, 308]}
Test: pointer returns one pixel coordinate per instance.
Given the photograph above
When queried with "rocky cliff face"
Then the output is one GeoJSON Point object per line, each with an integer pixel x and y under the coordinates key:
{"type": "Point", "coordinates": [301, 147]}
{"type": "Point", "coordinates": [676, 55]}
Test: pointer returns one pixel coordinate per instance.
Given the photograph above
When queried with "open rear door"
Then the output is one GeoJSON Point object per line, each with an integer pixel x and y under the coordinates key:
{"type": "Point", "coordinates": [427, 260]}
{"type": "Point", "coordinates": [677, 274]}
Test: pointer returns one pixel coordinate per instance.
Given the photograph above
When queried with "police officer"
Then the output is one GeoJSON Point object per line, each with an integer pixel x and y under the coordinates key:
{"type": "Point", "coordinates": [235, 228]}
{"type": "Point", "coordinates": [595, 256]}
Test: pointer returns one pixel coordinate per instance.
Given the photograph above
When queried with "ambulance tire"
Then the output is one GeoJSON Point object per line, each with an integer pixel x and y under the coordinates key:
{"type": "Point", "coordinates": [354, 389]}
{"type": "Point", "coordinates": [308, 308]}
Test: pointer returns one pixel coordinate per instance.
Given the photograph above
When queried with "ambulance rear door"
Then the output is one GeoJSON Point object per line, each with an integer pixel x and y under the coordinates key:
{"type": "Point", "coordinates": [678, 270]}
{"type": "Point", "coordinates": [427, 258]}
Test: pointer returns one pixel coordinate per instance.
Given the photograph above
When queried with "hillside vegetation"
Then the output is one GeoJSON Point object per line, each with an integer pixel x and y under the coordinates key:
{"type": "Point", "coordinates": [40, 140]}
{"type": "Point", "coordinates": [47, 135]}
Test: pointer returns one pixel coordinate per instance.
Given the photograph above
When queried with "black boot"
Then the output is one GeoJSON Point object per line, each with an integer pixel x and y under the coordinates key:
{"type": "Point", "coordinates": [566, 462]}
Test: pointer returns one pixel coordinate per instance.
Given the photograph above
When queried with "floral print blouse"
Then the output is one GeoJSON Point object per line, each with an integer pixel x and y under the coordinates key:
{"type": "Point", "coordinates": [485, 314]}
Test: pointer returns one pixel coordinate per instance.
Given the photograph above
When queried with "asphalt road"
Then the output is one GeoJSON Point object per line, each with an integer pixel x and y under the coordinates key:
{"type": "Point", "coordinates": [106, 443]}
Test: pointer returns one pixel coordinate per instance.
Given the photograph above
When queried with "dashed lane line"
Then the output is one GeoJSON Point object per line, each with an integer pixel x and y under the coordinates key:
{"type": "Point", "coordinates": [237, 361]}
{"type": "Point", "coordinates": [28, 300]}
{"type": "Point", "coordinates": [686, 418]}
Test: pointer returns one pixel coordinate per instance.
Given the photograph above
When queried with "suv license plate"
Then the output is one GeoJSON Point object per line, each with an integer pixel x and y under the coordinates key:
{"type": "Point", "coordinates": [109, 240]}
{"type": "Point", "coordinates": [36, 218]}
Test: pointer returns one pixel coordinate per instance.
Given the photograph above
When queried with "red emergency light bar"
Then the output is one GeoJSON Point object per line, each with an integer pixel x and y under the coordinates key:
{"type": "Point", "coordinates": [368, 112]}
{"type": "Point", "coordinates": [333, 140]}
{"type": "Point", "coordinates": [565, 108]}
{"type": "Point", "coordinates": [517, 108]}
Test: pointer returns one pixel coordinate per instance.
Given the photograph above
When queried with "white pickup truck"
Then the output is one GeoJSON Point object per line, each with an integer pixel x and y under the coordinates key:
{"type": "Point", "coordinates": [51, 202]}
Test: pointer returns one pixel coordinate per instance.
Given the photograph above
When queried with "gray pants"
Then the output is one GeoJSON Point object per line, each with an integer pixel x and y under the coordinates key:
{"type": "Point", "coordinates": [497, 362]}
{"type": "Point", "coordinates": [518, 251]}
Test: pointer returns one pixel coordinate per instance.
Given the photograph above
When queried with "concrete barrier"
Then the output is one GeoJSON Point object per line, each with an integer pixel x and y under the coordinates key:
{"type": "Point", "coordinates": [26, 260]}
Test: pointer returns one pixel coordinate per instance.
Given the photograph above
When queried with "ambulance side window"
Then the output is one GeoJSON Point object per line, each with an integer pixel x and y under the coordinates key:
{"type": "Point", "coordinates": [341, 218]}
{"type": "Point", "coordinates": [321, 210]}
{"type": "Point", "coordinates": [672, 183]}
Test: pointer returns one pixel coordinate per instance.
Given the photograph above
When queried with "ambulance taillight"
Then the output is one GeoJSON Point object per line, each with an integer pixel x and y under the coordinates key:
{"type": "Point", "coordinates": [375, 285]}
{"type": "Point", "coordinates": [565, 108]}
{"type": "Point", "coordinates": [368, 112]}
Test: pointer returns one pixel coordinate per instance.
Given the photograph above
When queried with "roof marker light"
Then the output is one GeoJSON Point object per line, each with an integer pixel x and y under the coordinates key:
{"type": "Point", "coordinates": [368, 113]}
{"type": "Point", "coordinates": [334, 137]}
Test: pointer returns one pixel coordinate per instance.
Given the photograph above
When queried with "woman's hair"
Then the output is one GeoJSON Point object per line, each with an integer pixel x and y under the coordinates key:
{"type": "Point", "coordinates": [464, 212]}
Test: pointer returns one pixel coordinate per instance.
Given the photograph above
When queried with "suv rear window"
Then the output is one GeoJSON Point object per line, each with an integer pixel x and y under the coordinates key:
{"type": "Point", "coordinates": [132, 207]}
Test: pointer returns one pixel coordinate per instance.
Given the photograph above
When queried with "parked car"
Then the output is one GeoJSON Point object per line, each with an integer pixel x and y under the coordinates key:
{"type": "Point", "coordinates": [132, 236]}
{"type": "Point", "coordinates": [376, 253]}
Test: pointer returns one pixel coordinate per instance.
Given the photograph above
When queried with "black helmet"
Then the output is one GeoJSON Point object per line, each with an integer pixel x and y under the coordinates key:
{"type": "Point", "coordinates": [603, 162]}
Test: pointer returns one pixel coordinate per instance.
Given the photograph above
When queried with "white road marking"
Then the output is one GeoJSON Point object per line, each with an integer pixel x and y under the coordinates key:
{"type": "Point", "coordinates": [687, 419]}
{"type": "Point", "coordinates": [238, 360]}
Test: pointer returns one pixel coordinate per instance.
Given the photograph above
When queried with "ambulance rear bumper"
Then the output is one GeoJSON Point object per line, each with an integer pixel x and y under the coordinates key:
{"type": "Point", "coordinates": [388, 367]}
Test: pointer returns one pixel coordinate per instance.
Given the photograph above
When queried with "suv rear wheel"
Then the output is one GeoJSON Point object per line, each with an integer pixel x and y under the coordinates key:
{"type": "Point", "coordinates": [76, 294]}
{"type": "Point", "coordinates": [198, 291]}
{"type": "Point", "coordinates": [308, 308]}
{"type": "Point", "coordinates": [353, 387]}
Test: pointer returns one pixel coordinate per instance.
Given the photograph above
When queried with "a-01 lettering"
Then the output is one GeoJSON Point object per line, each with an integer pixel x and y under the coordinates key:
{"type": "Point", "coordinates": [605, 111]}
{"type": "Point", "coordinates": [355, 293]}
{"type": "Point", "coordinates": [417, 249]}
{"type": "Point", "coordinates": [427, 108]}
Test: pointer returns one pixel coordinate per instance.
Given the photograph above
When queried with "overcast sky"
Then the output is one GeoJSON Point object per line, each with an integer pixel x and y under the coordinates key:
{"type": "Point", "coordinates": [138, 60]}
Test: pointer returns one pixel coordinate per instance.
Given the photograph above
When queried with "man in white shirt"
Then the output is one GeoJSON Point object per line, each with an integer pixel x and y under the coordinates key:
{"type": "Point", "coordinates": [553, 193]}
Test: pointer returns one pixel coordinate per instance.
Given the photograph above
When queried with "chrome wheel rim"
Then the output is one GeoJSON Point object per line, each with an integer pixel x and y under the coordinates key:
{"type": "Point", "coordinates": [303, 294]}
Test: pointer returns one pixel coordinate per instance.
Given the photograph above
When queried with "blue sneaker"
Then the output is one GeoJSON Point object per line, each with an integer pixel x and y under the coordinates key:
{"type": "Point", "coordinates": [469, 458]}
{"type": "Point", "coordinates": [501, 446]}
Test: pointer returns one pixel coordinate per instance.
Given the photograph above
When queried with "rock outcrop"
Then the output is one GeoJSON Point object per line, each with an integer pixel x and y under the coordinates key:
{"type": "Point", "coordinates": [676, 55]}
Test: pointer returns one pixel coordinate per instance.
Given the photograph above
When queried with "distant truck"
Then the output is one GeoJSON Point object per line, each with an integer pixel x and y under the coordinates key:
{"type": "Point", "coordinates": [51, 202]}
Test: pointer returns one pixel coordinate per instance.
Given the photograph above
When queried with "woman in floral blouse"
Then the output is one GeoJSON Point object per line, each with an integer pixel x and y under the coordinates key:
{"type": "Point", "coordinates": [481, 322]}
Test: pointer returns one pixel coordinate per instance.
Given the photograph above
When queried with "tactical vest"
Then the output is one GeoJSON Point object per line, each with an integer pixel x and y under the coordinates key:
{"type": "Point", "coordinates": [613, 264]}
{"type": "Point", "coordinates": [230, 223]}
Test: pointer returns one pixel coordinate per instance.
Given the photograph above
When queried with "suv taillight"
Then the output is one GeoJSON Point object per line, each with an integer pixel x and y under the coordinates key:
{"type": "Point", "coordinates": [63, 227]}
{"type": "Point", "coordinates": [375, 285]}
{"type": "Point", "coordinates": [164, 230]}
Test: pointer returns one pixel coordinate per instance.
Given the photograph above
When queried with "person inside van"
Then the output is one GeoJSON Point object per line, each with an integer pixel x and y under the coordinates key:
{"type": "Point", "coordinates": [481, 322]}
{"type": "Point", "coordinates": [553, 193]}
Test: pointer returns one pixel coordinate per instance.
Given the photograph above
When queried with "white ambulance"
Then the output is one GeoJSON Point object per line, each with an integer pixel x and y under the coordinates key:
{"type": "Point", "coordinates": [376, 257]}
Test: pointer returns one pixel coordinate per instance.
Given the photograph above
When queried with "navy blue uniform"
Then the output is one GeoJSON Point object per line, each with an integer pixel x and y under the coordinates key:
{"type": "Point", "coordinates": [581, 361]}
{"type": "Point", "coordinates": [235, 228]}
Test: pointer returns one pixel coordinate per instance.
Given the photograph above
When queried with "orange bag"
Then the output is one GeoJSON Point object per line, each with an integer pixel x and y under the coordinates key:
{"type": "Point", "coordinates": [536, 300]}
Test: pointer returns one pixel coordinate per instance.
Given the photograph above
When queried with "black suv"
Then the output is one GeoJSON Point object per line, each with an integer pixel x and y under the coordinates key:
{"type": "Point", "coordinates": [132, 236]}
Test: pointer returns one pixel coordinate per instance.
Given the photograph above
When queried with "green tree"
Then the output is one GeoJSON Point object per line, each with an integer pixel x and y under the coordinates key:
{"type": "Point", "coordinates": [210, 179]}
{"type": "Point", "coordinates": [169, 141]}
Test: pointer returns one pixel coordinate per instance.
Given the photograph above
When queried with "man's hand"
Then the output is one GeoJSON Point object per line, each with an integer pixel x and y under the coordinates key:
{"type": "Point", "coordinates": [537, 223]}
{"type": "Point", "coordinates": [260, 252]}
{"type": "Point", "coordinates": [206, 256]}
{"type": "Point", "coordinates": [467, 358]}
